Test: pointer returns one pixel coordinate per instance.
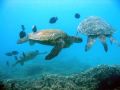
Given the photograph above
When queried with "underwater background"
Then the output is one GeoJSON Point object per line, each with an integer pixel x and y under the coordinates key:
{"type": "Point", "coordinates": [72, 60]}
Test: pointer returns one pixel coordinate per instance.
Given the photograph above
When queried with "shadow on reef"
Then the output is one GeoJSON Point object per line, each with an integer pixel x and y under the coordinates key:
{"type": "Point", "coordinates": [102, 77]}
{"type": "Point", "coordinates": [2, 86]}
{"type": "Point", "coordinates": [110, 83]}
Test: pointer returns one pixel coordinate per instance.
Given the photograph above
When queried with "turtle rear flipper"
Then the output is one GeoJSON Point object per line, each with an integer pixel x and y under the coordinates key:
{"type": "Point", "coordinates": [113, 40]}
{"type": "Point", "coordinates": [55, 51]}
{"type": "Point", "coordinates": [103, 41]}
{"type": "Point", "coordinates": [90, 41]}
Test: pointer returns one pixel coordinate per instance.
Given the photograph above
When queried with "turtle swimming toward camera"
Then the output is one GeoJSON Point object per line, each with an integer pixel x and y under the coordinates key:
{"type": "Point", "coordinates": [95, 27]}
{"type": "Point", "coordinates": [53, 37]}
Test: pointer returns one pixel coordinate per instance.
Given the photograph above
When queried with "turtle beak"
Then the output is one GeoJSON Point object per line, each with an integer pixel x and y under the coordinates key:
{"type": "Point", "coordinates": [22, 40]}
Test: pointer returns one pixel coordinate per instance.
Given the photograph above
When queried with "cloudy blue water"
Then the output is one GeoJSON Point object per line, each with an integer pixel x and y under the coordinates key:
{"type": "Point", "coordinates": [14, 13]}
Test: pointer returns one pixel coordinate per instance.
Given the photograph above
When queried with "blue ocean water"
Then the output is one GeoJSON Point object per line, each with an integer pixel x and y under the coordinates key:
{"type": "Point", "coordinates": [14, 13]}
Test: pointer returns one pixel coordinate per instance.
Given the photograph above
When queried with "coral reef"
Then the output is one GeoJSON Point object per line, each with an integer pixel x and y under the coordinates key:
{"type": "Point", "coordinates": [102, 77]}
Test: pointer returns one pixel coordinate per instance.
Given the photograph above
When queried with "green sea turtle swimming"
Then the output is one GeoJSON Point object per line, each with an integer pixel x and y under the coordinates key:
{"type": "Point", "coordinates": [54, 37]}
{"type": "Point", "coordinates": [95, 27]}
{"type": "Point", "coordinates": [27, 57]}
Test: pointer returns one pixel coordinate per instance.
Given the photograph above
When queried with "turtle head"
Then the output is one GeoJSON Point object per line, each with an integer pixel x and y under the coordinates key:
{"type": "Point", "coordinates": [76, 39]}
{"type": "Point", "coordinates": [22, 40]}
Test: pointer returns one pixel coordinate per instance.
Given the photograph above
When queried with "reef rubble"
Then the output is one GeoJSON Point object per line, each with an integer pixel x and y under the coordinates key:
{"type": "Point", "coordinates": [102, 77]}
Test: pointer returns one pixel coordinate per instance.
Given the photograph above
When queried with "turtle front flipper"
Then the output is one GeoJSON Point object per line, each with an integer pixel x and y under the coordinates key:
{"type": "Point", "coordinates": [55, 51]}
{"type": "Point", "coordinates": [103, 41]}
{"type": "Point", "coordinates": [90, 41]}
{"type": "Point", "coordinates": [113, 40]}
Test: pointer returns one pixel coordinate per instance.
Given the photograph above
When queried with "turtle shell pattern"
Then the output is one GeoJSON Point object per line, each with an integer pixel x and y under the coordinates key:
{"type": "Point", "coordinates": [94, 25]}
{"type": "Point", "coordinates": [47, 35]}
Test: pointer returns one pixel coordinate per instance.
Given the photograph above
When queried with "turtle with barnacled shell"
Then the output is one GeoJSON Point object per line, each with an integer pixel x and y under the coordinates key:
{"type": "Point", "coordinates": [95, 27]}
{"type": "Point", "coordinates": [53, 37]}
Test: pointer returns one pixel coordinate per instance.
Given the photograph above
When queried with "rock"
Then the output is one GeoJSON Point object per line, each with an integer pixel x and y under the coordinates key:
{"type": "Point", "coordinates": [102, 77]}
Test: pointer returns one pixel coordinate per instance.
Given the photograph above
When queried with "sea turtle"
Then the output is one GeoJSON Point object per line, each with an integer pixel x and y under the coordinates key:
{"type": "Point", "coordinates": [95, 27]}
{"type": "Point", "coordinates": [27, 56]}
{"type": "Point", "coordinates": [53, 37]}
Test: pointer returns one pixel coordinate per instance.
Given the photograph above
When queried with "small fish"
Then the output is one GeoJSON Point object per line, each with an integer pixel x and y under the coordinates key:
{"type": "Point", "coordinates": [53, 20]}
{"type": "Point", "coordinates": [15, 52]}
{"type": "Point", "coordinates": [23, 27]}
{"type": "Point", "coordinates": [34, 28]}
{"type": "Point", "coordinates": [7, 63]}
{"type": "Point", "coordinates": [77, 15]}
{"type": "Point", "coordinates": [12, 53]}
{"type": "Point", "coordinates": [8, 54]}
{"type": "Point", "coordinates": [22, 34]}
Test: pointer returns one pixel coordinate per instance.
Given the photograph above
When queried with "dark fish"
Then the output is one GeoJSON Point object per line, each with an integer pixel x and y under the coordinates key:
{"type": "Point", "coordinates": [12, 53]}
{"type": "Point", "coordinates": [77, 15]}
{"type": "Point", "coordinates": [34, 28]}
{"type": "Point", "coordinates": [8, 54]}
{"type": "Point", "coordinates": [53, 20]}
{"type": "Point", "coordinates": [22, 34]}
{"type": "Point", "coordinates": [23, 27]}
{"type": "Point", "coordinates": [7, 63]}
{"type": "Point", "coordinates": [15, 52]}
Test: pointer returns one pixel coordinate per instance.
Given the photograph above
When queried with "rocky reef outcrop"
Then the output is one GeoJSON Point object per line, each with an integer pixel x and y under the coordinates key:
{"type": "Point", "coordinates": [102, 77]}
